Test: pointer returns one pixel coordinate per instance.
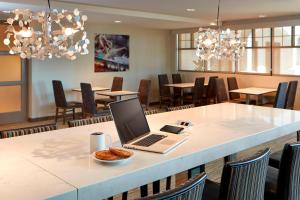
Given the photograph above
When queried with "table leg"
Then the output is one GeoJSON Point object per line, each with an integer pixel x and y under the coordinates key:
{"type": "Point", "coordinates": [259, 100]}
{"type": "Point", "coordinates": [298, 136]}
{"type": "Point", "coordinates": [247, 99]}
{"type": "Point", "coordinates": [181, 90]}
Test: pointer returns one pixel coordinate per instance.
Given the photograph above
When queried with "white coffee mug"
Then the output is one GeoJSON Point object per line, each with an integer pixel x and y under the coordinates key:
{"type": "Point", "coordinates": [98, 141]}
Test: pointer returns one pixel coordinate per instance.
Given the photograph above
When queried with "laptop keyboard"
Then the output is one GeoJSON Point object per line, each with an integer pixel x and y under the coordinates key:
{"type": "Point", "coordinates": [149, 140]}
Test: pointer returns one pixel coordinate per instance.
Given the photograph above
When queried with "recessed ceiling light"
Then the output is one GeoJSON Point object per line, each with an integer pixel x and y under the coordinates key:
{"type": "Point", "coordinates": [212, 24]}
{"type": "Point", "coordinates": [118, 21]}
{"type": "Point", "coordinates": [261, 16]}
{"type": "Point", "coordinates": [191, 9]}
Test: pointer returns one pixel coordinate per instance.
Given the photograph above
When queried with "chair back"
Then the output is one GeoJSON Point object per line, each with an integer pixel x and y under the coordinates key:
{"type": "Point", "coordinates": [150, 112]}
{"type": "Point", "coordinates": [211, 88]}
{"type": "Point", "coordinates": [180, 107]}
{"type": "Point", "coordinates": [198, 90]}
{"type": "Point", "coordinates": [144, 92]}
{"type": "Point", "coordinates": [92, 120]}
{"type": "Point", "coordinates": [190, 190]}
{"type": "Point", "coordinates": [289, 174]}
{"type": "Point", "coordinates": [27, 130]}
{"type": "Point", "coordinates": [59, 94]}
{"type": "Point", "coordinates": [280, 95]}
{"type": "Point", "coordinates": [162, 81]}
{"type": "Point", "coordinates": [233, 85]}
{"type": "Point", "coordinates": [117, 84]}
{"type": "Point", "coordinates": [88, 99]}
{"type": "Point", "coordinates": [291, 95]}
{"type": "Point", "coordinates": [176, 78]}
{"type": "Point", "coordinates": [221, 90]}
{"type": "Point", "coordinates": [245, 179]}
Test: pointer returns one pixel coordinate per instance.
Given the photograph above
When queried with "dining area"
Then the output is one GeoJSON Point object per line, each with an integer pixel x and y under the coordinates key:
{"type": "Point", "coordinates": [144, 100]}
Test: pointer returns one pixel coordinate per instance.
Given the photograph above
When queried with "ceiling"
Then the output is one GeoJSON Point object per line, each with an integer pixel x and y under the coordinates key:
{"type": "Point", "coordinates": [166, 14]}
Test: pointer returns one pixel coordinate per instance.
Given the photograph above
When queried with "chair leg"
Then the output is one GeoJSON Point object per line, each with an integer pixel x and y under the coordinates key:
{"type": "Point", "coordinates": [229, 158]}
{"type": "Point", "coordinates": [73, 110]}
{"type": "Point", "coordinates": [64, 116]}
{"type": "Point", "coordinates": [124, 195]}
{"type": "Point", "coordinates": [144, 190]}
{"type": "Point", "coordinates": [56, 115]}
{"type": "Point", "coordinates": [298, 136]}
{"type": "Point", "coordinates": [156, 187]}
{"type": "Point", "coordinates": [168, 184]}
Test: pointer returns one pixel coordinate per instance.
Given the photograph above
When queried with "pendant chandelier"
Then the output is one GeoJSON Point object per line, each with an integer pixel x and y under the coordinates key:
{"type": "Point", "coordinates": [218, 43]}
{"type": "Point", "coordinates": [46, 34]}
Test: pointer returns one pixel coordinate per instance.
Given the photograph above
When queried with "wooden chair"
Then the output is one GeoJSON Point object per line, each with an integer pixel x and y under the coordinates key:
{"type": "Point", "coordinates": [198, 91]}
{"type": "Point", "coordinates": [221, 91]}
{"type": "Point", "coordinates": [89, 105]}
{"type": "Point", "coordinates": [283, 183]}
{"type": "Point", "coordinates": [164, 92]}
{"type": "Point", "coordinates": [144, 93]}
{"type": "Point", "coordinates": [62, 106]}
{"type": "Point", "coordinates": [180, 107]}
{"type": "Point", "coordinates": [117, 85]}
{"type": "Point", "coordinates": [210, 94]}
{"type": "Point", "coordinates": [281, 95]}
{"type": "Point", "coordinates": [176, 78]}
{"type": "Point", "coordinates": [191, 190]}
{"type": "Point", "coordinates": [291, 95]}
{"type": "Point", "coordinates": [27, 130]}
{"type": "Point", "coordinates": [243, 179]}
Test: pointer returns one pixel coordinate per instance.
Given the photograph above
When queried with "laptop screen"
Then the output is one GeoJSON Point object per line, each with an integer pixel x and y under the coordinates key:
{"type": "Point", "coordinates": [129, 119]}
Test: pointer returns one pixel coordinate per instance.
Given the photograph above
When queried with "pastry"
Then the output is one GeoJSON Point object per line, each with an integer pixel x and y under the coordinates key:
{"type": "Point", "coordinates": [106, 155]}
{"type": "Point", "coordinates": [120, 152]}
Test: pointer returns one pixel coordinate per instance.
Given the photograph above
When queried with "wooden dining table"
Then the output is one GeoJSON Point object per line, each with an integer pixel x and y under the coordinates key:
{"type": "Point", "coordinates": [117, 94]}
{"type": "Point", "coordinates": [61, 166]}
{"type": "Point", "coordinates": [258, 92]}
{"type": "Point", "coordinates": [94, 89]}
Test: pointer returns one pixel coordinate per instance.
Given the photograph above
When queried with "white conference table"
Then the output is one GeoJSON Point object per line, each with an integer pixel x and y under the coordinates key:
{"type": "Point", "coordinates": [219, 130]}
{"type": "Point", "coordinates": [254, 91]}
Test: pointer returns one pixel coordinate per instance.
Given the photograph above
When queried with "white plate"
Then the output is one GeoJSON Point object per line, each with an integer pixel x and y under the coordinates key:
{"type": "Point", "coordinates": [120, 161]}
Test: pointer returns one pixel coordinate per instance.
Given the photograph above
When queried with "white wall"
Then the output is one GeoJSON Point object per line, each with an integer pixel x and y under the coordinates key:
{"type": "Point", "coordinates": [149, 55]}
{"type": "Point", "coordinates": [249, 80]}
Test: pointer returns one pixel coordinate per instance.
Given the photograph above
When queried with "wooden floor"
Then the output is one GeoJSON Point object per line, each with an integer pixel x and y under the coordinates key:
{"type": "Point", "coordinates": [213, 169]}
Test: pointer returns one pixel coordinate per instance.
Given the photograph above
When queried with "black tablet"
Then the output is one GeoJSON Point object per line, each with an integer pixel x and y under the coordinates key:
{"type": "Point", "coordinates": [171, 129]}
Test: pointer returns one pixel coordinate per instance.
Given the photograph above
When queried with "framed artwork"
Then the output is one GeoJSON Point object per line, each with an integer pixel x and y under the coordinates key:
{"type": "Point", "coordinates": [111, 53]}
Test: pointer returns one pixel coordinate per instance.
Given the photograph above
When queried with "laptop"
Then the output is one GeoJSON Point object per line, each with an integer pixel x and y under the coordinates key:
{"type": "Point", "coordinates": [134, 131]}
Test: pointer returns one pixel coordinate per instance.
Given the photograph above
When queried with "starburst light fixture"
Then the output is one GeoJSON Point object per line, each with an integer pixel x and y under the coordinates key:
{"type": "Point", "coordinates": [46, 34]}
{"type": "Point", "coordinates": [218, 43]}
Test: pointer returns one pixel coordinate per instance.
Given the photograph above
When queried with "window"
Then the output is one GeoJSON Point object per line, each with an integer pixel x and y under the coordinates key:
{"type": "Point", "coordinates": [268, 51]}
{"type": "Point", "coordinates": [286, 51]}
{"type": "Point", "coordinates": [187, 59]}
{"type": "Point", "coordinates": [257, 55]}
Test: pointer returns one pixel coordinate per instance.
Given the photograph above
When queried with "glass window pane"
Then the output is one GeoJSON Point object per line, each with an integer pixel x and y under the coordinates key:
{"type": "Point", "coordinates": [286, 61]}
{"type": "Point", "coordinates": [266, 32]}
{"type": "Point", "coordinates": [255, 61]}
{"type": "Point", "coordinates": [10, 68]}
{"type": "Point", "coordinates": [297, 40]}
{"type": "Point", "coordinates": [187, 36]}
{"type": "Point", "coordinates": [223, 65]}
{"type": "Point", "coordinates": [278, 31]}
{"type": "Point", "coordinates": [186, 58]}
{"type": "Point", "coordinates": [188, 44]}
{"type": "Point", "coordinates": [287, 41]}
{"type": "Point", "coordinates": [10, 99]}
{"type": "Point", "coordinates": [267, 41]}
{"type": "Point", "coordinates": [258, 32]}
{"type": "Point", "coordinates": [277, 41]}
{"type": "Point", "coordinates": [287, 30]}
{"type": "Point", "coordinates": [297, 30]}
{"type": "Point", "coordinates": [182, 44]}
{"type": "Point", "coordinates": [258, 42]}
{"type": "Point", "coordinates": [248, 33]}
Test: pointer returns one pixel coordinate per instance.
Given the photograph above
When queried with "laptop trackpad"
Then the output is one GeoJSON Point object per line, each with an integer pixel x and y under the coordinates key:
{"type": "Point", "coordinates": [167, 142]}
